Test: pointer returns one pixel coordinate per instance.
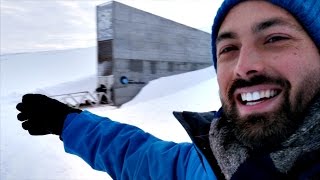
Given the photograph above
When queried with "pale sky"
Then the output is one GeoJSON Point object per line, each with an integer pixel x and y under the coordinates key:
{"type": "Point", "coordinates": [40, 25]}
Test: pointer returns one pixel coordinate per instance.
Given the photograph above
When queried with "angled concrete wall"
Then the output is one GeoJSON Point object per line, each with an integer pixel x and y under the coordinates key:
{"type": "Point", "coordinates": [146, 47]}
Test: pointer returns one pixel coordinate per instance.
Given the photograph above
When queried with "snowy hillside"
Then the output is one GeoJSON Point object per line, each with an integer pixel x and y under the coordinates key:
{"type": "Point", "coordinates": [42, 158]}
{"type": "Point", "coordinates": [27, 71]}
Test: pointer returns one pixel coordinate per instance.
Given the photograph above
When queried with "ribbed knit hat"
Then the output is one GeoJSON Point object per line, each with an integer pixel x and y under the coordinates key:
{"type": "Point", "coordinates": [307, 12]}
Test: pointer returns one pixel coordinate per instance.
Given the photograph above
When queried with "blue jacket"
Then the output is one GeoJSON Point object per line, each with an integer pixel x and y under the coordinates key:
{"type": "Point", "coordinates": [127, 152]}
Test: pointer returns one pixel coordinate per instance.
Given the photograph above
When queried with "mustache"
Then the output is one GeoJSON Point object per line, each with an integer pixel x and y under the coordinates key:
{"type": "Point", "coordinates": [256, 80]}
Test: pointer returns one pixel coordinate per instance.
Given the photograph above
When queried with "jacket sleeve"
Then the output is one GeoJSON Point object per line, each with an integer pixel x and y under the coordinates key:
{"type": "Point", "coordinates": [125, 151]}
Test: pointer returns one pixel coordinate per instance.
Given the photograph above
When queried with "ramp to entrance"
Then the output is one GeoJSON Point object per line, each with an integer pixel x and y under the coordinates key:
{"type": "Point", "coordinates": [84, 99]}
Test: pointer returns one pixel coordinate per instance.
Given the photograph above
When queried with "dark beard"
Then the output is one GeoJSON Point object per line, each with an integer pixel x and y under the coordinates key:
{"type": "Point", "coordinates": [264, 131]}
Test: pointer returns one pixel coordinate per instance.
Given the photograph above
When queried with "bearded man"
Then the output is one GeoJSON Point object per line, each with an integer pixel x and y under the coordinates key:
{"type": "Point", "coordinates": [266, 55]}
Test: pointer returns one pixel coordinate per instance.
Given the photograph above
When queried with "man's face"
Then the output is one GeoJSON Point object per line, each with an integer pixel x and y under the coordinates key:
{"type": "Point", "coordinates": [268, 71]}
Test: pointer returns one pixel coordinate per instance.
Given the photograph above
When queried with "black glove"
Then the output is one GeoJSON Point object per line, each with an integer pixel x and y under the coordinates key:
{"type": "Point", "coordinates": [42, 115]}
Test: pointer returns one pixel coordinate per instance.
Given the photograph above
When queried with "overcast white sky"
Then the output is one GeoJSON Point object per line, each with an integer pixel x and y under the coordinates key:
{"type": "Point", "coordinates": [38, 25]}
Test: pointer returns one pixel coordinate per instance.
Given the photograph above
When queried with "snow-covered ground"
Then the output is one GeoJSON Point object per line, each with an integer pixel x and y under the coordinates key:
{"type": "Point", "coordinates": [25, 157]}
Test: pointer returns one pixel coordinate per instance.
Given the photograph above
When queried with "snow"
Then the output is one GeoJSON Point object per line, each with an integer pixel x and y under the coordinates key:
{"type": "Point", "coordinates": [26, 157]}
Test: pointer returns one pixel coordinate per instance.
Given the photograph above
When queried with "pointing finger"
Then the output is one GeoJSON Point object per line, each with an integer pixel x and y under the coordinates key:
{"type": "Point", "coordinates": [27, 98]}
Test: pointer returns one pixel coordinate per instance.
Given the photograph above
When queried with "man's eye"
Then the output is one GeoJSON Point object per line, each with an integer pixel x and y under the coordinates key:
{"type": "Point", "coordinates": [274, 39]}
{"type": "Point", "coordinates": [227, 49]}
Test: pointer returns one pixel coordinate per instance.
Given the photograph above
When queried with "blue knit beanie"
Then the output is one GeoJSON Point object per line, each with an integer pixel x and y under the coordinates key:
{"type": "Point", "coordinates": [307, 12]}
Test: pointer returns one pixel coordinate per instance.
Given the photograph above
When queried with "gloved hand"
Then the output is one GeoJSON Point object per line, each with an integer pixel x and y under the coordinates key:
{"type": "Point", "coordinates": [41, 115]}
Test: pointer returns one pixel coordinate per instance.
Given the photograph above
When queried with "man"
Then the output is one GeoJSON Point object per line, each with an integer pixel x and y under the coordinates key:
{"type": "Point", "coordinates": [268, 68]}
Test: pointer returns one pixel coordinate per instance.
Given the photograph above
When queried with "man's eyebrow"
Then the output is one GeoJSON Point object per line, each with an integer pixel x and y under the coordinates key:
{"type": "Point", "coordinates": [276, 21]}
{"type": "Point", "coordinates": [226, 35]}
{"type": "Point", "coordinates": [261, 26]}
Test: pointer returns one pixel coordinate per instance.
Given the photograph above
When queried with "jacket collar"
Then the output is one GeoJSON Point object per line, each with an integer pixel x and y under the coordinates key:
{"type": "Point", "coordinates": [197, 126]}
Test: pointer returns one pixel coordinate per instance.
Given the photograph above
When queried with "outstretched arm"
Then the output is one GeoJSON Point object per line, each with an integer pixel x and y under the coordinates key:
{"type": "Point", "coordinates": [124, 151]}
{"type": "Point", "coordinates": [121, 150]}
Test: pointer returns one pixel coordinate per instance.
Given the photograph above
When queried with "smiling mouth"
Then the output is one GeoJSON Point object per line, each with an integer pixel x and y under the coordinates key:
{"type": "Point", "coordinates": [256, 97]}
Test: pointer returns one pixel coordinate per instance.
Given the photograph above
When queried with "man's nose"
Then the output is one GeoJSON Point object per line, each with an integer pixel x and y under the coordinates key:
{"type": "Point", "coordinates": [250, 62]}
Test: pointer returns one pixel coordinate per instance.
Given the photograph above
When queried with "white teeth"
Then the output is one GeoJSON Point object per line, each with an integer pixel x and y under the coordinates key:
{"type": "Point", "coordinates": [252, 103]}
{"type": "Point", "coordinates": [243, 96]}
{"type": "Point", "coordinates": [272, 93]}
{"type": "Point", "coordinates": [267, 94]}
{"type": "Point", "coordinates": [256, 95]}
{"type": "Point", "coordinates": [249, 97]}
